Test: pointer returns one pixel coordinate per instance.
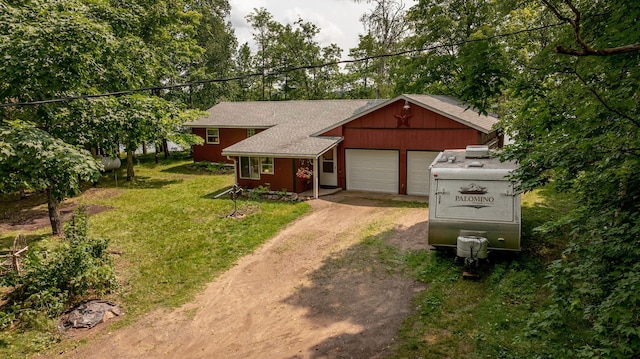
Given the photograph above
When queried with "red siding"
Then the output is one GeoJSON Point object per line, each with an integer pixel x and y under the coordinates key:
{"type": "Point", "coordinates": [282, 177]}
{"type": "Point", "coordinates": [211, 152]}
{"type": "Point", "coordinates": [426, 131]}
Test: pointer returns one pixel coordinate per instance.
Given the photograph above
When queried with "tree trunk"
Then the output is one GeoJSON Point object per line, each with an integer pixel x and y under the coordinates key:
{"type": "Point", "coordinates": [130, 173]}
{"type": "Point", "coordinates": [54, 213]}
{"type": "Point", "coordinates": [144, 148]}
{"type": "Point", "coordinates": [156, 152]}
{"type": "Point", "coordinates": [165, 148]}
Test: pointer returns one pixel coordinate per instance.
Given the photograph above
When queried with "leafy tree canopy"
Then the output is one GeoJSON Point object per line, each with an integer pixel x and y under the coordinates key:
{"type": "Point", "coordinates": [32, 159]}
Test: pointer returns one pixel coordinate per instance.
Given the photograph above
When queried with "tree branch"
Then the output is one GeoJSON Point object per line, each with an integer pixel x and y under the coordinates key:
{"type": "Point", "coordinates": [601, 100]}
{"type": "Point", "coordinates": [586, 49]}
{"type": "Point", "coordinates": [598, 52]}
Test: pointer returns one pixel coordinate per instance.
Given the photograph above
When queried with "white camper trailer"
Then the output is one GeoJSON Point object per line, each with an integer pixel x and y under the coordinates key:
{"type": "Point", "coordinates": [473, 207]}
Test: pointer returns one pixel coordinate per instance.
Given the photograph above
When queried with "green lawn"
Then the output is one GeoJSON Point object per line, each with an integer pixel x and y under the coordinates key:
{"type": "Point", "coordinates": [489, 317]}
{"type": "Point", "coordinates": [170, 237]}
{"type": "Point", "coordinates": [168, 234]}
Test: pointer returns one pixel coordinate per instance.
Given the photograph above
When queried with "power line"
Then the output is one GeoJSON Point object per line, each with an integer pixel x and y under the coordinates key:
{"type": "Point", "coordinates": [274, 73]}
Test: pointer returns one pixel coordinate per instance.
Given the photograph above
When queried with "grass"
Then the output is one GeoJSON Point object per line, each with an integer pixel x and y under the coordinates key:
{"type": "Point", "coordinates": [489, 317]}
{"type": "Point", "coordinates": [172, 237]}
{"type": "Point", "coordinates": [168, 235]}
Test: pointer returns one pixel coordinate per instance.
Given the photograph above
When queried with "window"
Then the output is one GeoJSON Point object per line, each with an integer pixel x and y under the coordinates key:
{"type": "Point", "coordinates": [252, 167]}
{"type": "Point", "coordinates": [249, 167]}
{"type": "Point", "coordinates": [251, 132]}
{"type": "Point", "coordinates": [213, 136]}
{"type": "Point", "coordinates": [327, 162]}
{"type": "Point", "coordinates": [266, 165]}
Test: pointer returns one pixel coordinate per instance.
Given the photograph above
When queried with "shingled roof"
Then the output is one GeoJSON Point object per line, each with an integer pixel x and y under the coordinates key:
{"type": "Point", "coordinates": [292, 128]}
{"type": "Point", "coordinates": [455, 109]}
{"type": "Point", "coordinates": [443, 105]}
{"type": "Point", "coordinates": [289, 125]}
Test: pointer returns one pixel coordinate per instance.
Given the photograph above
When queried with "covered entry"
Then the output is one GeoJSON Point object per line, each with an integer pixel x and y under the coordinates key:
{"type": "Point", "coordinates": [372, 170]}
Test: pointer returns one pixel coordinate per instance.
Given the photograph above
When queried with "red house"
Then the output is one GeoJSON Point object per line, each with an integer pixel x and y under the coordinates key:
{"type": "Point", "coordinates": [367, 145]}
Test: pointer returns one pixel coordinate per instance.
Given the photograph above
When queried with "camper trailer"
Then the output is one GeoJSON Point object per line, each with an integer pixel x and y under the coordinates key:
{"type": "Point", "coordinates": [473, 208]}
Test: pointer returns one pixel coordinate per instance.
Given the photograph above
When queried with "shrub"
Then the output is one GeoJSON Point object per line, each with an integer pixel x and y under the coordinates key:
{"type": "Point", "coordinates": [51, 283]}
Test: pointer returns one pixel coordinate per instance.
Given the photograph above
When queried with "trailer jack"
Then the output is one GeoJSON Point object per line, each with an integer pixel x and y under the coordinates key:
{"type": "Point", "coordinates": [471, 267]}
{"type": "Point", "coordinates": [472, 249]}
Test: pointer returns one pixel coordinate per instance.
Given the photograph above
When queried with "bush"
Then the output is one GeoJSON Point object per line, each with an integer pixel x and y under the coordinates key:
{"type": "Point", "coordinates": [51, 283]}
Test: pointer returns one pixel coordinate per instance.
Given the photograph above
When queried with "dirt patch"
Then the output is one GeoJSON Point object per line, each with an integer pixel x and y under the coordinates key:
{"type": "Point", "coordinates": [313, 291]}
{"type": "Point", "coordinates": [31, 213]}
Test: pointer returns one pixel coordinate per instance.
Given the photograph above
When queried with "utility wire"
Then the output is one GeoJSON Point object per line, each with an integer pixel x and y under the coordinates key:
{"type": "Point", "coordinates": [274, 73]}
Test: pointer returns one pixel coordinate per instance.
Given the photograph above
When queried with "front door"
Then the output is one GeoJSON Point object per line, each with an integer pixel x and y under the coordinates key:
{"type": "Point", "coordinates": [328, 169]}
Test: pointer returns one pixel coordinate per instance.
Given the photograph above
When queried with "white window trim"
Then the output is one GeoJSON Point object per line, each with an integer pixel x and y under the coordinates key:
{"type": "Point", "coordinates": [271, 166]}
{"type": "Point", "coordinates": [206, 136]}
{"type": "Point", "coordinates": [252, 175]}
{"type": "Point", "coordinates": [261, 167]}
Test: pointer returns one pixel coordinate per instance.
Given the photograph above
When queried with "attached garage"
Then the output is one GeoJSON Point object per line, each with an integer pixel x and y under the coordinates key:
{"type": "Point", "coordinates": [372, 170]}
{"type": "Point", "coordinates": [418, 171]}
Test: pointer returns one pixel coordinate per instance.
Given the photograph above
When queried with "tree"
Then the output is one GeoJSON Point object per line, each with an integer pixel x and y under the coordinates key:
{"type": "Point", "coordinates": [214, 35]}
{"type": "Point", "coordinates": [62, 48]}
{"type": "Point", "coordinates": [573, 113]}
{"type": "Point", "coordinates": [149, 119]}
{"type": "Point", "coordinates": [385, 28]}
{"type": "Point", "coordinates": [566, 76]}
{"type": "Point", "coordinates": [460, 57]}
{"type": "Point", "coordinates": [31, 158]}
{"type": "Point", "coordinates": [362, 74]}
{"type": "Point", "coordinates": [288, 57]}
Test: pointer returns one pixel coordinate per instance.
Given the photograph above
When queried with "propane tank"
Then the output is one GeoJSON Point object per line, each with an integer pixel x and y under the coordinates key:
{"type": "Point", "coordinates": [110, 163]}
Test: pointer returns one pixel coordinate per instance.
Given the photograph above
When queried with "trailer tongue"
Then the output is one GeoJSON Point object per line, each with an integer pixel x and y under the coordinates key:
{"type": "Point", "coordinates": [472, 205]}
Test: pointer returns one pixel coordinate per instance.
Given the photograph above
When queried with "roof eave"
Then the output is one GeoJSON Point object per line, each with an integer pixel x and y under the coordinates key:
{"type": "Point", "coordinates": [197, 125]}
{"type": "Point", "coordinates": [337, 140]}
{"type": "Point", "coordinates": [411, 101]}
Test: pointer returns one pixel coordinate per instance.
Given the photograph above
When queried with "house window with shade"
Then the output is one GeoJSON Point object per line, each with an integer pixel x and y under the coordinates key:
{"type": "Point", "coordinates": [213, 136]}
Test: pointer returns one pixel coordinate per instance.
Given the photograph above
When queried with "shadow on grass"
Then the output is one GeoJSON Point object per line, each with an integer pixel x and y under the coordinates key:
{"type": "Point", "coordinates": [540, 236]}
{"type": "Point", "coordinates": [6, 241]}
{"type": "Point", "coordinates": [219, 194]}
{"type": "Point", "coordinates": [140, 182]}
{"type": "Point", "coordinates": [200, 168]}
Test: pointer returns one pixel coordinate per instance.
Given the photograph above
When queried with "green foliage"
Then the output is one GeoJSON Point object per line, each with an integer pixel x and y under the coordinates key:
{"type": "Point", "coordinates": [64, 48]}
{"type": "Point", "coordinates": [281, 48]}
{"type": "Point", "coordinates": [51, 282]}
{"type": "Point", "coordinates": [574, 119]}
{"type": "Point", "coordinates": [459, 318]}
{"type": "Point", "coordinates": [459, 63]}
{"type": "Point", "coordinates": [386, 27]}
{"type": "Point", "coordinates": [209, 167]}
{"type": "Point", "coordinates": [257, 193]}
{"type": "Point", "coordinates": [575, 123]}
{"type": "Point", "coordinates": [31, 159]}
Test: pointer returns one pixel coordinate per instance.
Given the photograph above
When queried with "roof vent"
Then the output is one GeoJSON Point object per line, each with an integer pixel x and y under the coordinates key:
{"type": "Point", "coordinates": [477, 151]}
{"type": "Point", "coordinates": [475, 164]}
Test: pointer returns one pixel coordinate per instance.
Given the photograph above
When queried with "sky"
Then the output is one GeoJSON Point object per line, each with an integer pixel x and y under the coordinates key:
{"type": "Point", "coordinates": [338, 20]}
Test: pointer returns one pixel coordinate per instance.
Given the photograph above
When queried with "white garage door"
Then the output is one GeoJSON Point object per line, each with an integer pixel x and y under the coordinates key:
{"type": "Point", "coordinates": [418, 171]}
{"type": "Point", "coordinates": [372, 170]}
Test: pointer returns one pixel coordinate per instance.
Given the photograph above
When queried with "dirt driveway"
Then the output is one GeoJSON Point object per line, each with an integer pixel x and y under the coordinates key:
{"type": "Point", "coordinates": [313, 291]}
